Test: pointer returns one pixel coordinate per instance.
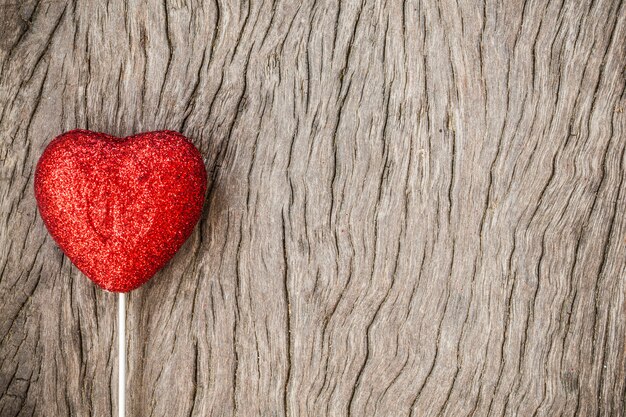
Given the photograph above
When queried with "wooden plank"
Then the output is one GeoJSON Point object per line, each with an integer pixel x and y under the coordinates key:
{"type": "Point", "coordinates": [415, 208]}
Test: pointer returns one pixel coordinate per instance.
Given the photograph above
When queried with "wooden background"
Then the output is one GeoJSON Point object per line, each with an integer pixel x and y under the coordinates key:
{"type": "Point", "coordinates": [415, 208]}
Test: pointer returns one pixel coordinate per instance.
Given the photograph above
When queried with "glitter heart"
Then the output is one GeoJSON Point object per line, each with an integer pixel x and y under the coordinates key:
{"type": "Point", "coordinates": [120, 208]}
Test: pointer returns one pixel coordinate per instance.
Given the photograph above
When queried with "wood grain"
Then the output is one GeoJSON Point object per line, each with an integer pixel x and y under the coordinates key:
{"type": "Point", "coordinates": [415, 208]}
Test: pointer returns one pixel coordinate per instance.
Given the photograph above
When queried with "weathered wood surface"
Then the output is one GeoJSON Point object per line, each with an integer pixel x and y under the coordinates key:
{"type": "Point", "coordinates": [415, 208]}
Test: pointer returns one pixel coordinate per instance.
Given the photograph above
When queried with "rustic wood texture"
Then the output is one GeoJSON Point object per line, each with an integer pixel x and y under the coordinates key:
{"type": "Point", "coordinates": [414, 208]}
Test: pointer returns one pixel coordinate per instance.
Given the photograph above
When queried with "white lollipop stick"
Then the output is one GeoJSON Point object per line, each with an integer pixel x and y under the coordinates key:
{"type": "Point", "coordinates": [121, 350]}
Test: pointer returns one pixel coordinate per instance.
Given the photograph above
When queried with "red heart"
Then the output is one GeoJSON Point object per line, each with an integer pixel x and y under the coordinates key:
{"type": "Point", "coordinates": [120, 208]}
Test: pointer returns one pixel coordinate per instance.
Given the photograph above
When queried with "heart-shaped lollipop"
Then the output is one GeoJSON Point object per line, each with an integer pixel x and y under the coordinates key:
{"type": "Point", "coordinates": [120, 208]}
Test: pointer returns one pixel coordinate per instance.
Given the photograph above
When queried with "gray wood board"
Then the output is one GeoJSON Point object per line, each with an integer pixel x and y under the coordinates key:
{"type": "Point", "coordinates": [414, 208]}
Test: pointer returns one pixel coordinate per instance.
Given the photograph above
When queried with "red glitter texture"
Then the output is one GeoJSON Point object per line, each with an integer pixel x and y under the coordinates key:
{"type": "Point", "coordinates": [120, 208]}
